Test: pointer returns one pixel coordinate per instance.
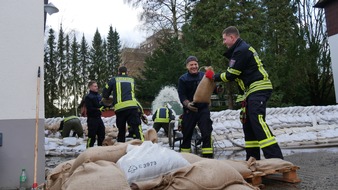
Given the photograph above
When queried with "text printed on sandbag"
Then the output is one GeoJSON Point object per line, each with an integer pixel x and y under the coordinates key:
{"type": "Point", "coordinates": [133, 168]}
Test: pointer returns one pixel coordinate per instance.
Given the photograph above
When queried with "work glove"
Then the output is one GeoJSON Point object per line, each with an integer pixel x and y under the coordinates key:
{"type": "Point", "coordinates": [190, 106]}
{"type": "Point", "coordinates": [144, 119]}
{"type": "Point", "coordinates": [103, 108]}
{"type": "Point", "coordinates": [209, 74]}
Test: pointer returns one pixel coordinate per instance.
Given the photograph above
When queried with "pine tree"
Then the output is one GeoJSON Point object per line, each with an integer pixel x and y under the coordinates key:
{"type": "Point", "coordinates": [97, 58]}
{"type": "Point", "coordinates": [61, 65]}
{"type": "Point", "coordinates": [75, 74]}
{"type": "Point", "coordinates": [113, 51]}
{"type": "Point", "coordinates": [84, 65]}
{"type": "Point", "coordinates": [50, 76]}
{"type": "Point", "coordinates": [281, 43]}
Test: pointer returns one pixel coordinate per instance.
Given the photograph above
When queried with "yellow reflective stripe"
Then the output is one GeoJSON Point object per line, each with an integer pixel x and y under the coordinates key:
{"type": "Point", "coordinates": [162, 120]}
{"type": "Point", "coordinates": [240, 98]}
{"type": "Point", "coordinates": [207, 151]}
{"type": "Point", "coordinates": [69, 118]}
{"type": "Point", "coordinates": [141, 132]}
{"type": "Point", "coordinates": [240, 83]}
{"type": "Point", "coordinates": [224, 77]}
{"type": "Point", "coordinates": [256, 86]}
{"type": "Point", "coordinates": [251, 144]}
{"type": "Point", "coordinates": [140, 107]}
{"type": "Point", "coordinates": [132, 90]}
{"type": "Point", "coordinates": [234, 71]}
{"type": "Point", "coordinates": [259, 64]}
{"type": "Point", "coordinates": [267, 142]}
{"type": "Point", "coordinates": [128, 103]}
{"type": "Point", "coordinates": [188, 150]}
{"type": "Point", "coordinates": [118, 92]}
{"type": "Point", "coordinates": [88, 142]}
{"type": "Point", "coordinates": [264, 126]}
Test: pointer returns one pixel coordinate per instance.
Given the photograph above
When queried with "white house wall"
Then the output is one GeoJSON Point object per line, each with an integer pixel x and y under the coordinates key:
{"type": "Point", "coordinates": [333, 41]}
{"type": "Point", "coordinates": [21, 53]}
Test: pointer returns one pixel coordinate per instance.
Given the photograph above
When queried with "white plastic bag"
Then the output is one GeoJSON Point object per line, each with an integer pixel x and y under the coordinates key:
{"type": "Point", "coordinates": [149, 161]}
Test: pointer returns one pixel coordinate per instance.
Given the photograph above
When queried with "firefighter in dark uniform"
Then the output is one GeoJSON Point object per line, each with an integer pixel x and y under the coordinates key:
{"type": "Point", "coordinates": [71, 123]}
{"type": "Point", "coordinates": [125, 104]}
{"type": "Point", "coordinates": [194, 113]}
{"type": "Point", "coordinates": [246, 68]}
{"type": "Point", "coordinates": [162, 118]}
{"type": "Point", "coordinates": [94, 121]}
{"type": "Point", "coordinates": [143, 118]}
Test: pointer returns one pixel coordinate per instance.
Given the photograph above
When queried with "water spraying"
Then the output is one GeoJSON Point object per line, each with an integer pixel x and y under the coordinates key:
{"type": "Point", "coordinates": [168, 95]}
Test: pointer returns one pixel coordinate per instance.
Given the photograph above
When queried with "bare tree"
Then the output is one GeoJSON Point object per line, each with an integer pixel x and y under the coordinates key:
{"type": "Point", "coordinates": [160, 15]}
{"type": "Point", "coordinates": [318, 70]}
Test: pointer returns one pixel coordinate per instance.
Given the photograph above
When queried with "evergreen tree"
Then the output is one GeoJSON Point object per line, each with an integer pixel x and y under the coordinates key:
{"type": "Point", "coordinates": [113, 51]}
{"type": "Point", "coordinates": [97, 58]}
{"type": "Point", "coordinates": [61, 65]}
{"type": "Point", "coordinates": [281, 50]}
{"type": "Point", "coordinates": [50, 76]}
{"type": "Point", "coordinates": [75, 74]}
{"type": "Point", "coordinates": [68, 86]}
{"type": "Point", "coordinates": [84, 65]}
{"type": "Point", "coordinates": [162, 68]}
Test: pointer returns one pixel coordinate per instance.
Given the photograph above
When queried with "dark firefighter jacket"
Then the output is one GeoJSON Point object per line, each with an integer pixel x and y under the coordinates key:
{"type": "Point", "coordinates": [187, 85]}
{"type": "Point", "coordinates": [92, 102]}
{"type": "Point", "coordinates": [246, 68]}
{"type": "Point", "coordinates": [123, 90]}
{"type": "Point", "coordinates": [163, 115]}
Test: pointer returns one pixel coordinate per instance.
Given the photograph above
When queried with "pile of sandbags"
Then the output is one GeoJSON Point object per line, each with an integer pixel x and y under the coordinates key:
{"type": "Point", "coordinates": [145, 165]}
{"type": "Point", "coordinates": [203, 174]}
{"type": "Point", "coordinates": [95, 161]}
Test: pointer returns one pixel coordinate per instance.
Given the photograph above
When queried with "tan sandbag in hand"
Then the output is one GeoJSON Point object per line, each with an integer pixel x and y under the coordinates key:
{"type": "Point", "coordinates": [204, 89]}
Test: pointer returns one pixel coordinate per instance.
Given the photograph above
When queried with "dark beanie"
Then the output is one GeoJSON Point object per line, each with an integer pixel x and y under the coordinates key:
{"type": "Point", "coordinates": [191, 58]}
{"type": "Point", "coordinates": [122, 69]}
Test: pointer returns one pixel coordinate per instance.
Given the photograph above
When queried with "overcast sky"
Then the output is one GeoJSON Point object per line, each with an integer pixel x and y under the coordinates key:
{"type": "Point", "coordinates": [85, 16]}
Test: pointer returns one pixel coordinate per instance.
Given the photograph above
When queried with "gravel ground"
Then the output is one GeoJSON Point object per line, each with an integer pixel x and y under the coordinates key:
{"type": "Point", "coordinates": [318, 171]}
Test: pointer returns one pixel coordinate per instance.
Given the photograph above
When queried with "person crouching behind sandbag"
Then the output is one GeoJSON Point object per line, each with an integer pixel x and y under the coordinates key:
{"type": "Point", "coordinates": [71, 123]}
{"type": "Point", "coordinates": [194, 113]}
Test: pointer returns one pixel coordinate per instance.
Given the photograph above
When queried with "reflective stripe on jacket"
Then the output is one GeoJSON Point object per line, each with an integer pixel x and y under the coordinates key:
{"type": "Point", "coordinates": [162, 115]}
{"type": "Point", "coordinates": [123, 90]}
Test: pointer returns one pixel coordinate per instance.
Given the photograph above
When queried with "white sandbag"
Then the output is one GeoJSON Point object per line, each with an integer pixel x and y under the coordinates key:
{"type": "Point", "coordinates": [149, 161]}
{"type": "Point", "coordinates": [69, 141]}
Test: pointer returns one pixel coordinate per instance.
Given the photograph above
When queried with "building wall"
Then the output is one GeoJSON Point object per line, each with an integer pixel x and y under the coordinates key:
{"type": "Point", "coordinates": [331, 15]}
{"type": "Point", "coordinates": [333, 41]}
{"type": "Point", "coordinates": [21, 53]}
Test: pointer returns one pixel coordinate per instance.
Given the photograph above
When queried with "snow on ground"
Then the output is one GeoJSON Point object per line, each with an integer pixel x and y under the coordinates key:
{"type": "Point", "coordinates": [293, 127]}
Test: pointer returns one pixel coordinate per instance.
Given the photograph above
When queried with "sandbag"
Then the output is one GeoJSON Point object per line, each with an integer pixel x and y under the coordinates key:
{"type": "Point", "coordinates": [241, 166]}
{"type": "Point", "coordinates": [204, 174]}
{"type": "Point", "coordinates": [108, 141]}
{"type": "Point", "coordinates": [151, 135]}
{"type": "Point", "coordinates": [58, 175]}
{"type": "Point", "coordinates": [149, 161]}
{"type": "Point", "coordinates": [269, 166]}
{"type": "Point", "coordinates": [240, 187]}
{"type": "Point", "coordinates": [204, 89]}
{"type": "Point", "coordinates": [99, 175]}
{"type": "Point", "coordinates": [191, 158]}
{"type": "Point", "coordinates": [108, 153]}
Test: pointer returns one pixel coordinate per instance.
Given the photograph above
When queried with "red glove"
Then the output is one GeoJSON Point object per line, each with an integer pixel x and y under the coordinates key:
{"type": "Point", "coordinates": [209, 74]}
